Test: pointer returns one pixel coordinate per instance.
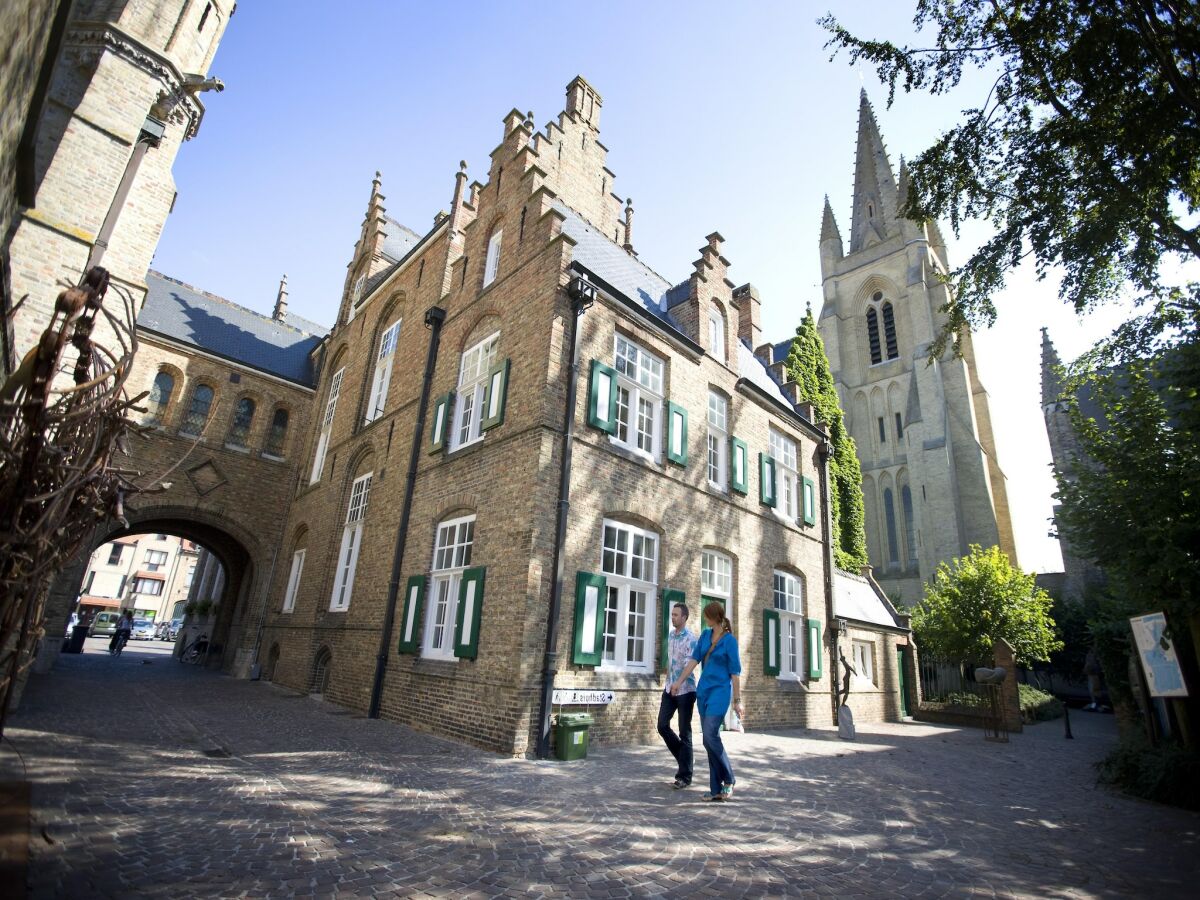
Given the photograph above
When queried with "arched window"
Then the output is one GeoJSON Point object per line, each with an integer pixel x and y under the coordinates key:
{"type": "Point", "coordinates": [321, 669]}
{"type": "Point", "coordinates": [277, 436]}
{"type": "Point", "coordinates": [451, 559]}
{"type": "Point", "coordinates": [889, 512]}
{"type": "Point", "coordinates": [356, 513]}
{"type": "Point", "coordinates": [873, 335]}
{"type": "Point", "coordinates": [197, 412]}
{"type": "Point", "coordinates": [159, 399]}
{"type": "Point", "coordinates": [239, 428]}
{"type": "Point", "coordinates": [889, 331]}
{"type": "Point", "coordinates": [910, 528]}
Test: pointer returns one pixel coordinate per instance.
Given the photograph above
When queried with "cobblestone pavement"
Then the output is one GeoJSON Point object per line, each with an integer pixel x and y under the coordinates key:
{"type": "Point", "coordinates": [156, 779]}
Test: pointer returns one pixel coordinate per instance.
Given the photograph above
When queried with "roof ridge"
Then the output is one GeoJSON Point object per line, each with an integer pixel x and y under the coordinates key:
{"type": "Point", "coordinates": [220, 299]}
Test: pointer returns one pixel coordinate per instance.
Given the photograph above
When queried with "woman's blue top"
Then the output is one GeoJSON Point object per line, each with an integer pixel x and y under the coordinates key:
{"type": "Point", "coordinates": [715, 689]}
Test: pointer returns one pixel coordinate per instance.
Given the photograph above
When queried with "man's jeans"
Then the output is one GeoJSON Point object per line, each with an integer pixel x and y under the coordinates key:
{"type": "Point", "coordinates": [680, 744]}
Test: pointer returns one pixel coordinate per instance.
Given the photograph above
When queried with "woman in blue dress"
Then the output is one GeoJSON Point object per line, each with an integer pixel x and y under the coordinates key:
{"type": "Point", "coordinates": [720, 682]}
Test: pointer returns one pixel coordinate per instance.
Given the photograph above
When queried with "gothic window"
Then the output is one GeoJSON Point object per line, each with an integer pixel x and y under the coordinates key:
{"type": "Point", "coordinates": [451, 559]}
{"type": "Point", "coordinates": [473, 372]}
{"type": "Point", "coordinates": [277, 436]}
{"type": "Point", "coordinates": [159, 399]}
{"type": "Point", "coordinates": [491, 265]}
{"type": "Point", "coordinates": [873, 335]}
{"type": "Point", "coordinates": [343, 584]}
{"type": "Point", "coordinates": [910, 530]}
{"type": "Point", "coordinates": [239, 428]}
{"type": "Point", "coordinates": [197, 413]}
{"type": "Point", "coordinates": [889, 331]}
{"type": "Point", "coordinates": [716, 334]}
{"type": "Point", "coordinates": [335, 390]}
{"type": "Point", "coordinates": [889, 512]}
{"type": "Point", "coordinates": [383, 372]}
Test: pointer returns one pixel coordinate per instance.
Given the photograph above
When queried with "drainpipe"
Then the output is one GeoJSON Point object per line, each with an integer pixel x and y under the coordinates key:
{"type": "Point", "coordinates": [582, 294]}
{"type": "Point", "coordinates": [434, 317]}
{"type": "Point", "coordinates": [824, 452]}
{"type": "Point", "coordinates": [151, 135]}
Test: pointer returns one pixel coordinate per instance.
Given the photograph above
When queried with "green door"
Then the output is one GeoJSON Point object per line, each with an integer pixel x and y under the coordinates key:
{"type": "Point", "coordinates": [900, 672]}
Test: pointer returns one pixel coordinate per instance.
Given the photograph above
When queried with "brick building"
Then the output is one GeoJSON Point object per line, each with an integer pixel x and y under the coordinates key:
{"type": "Point", "coordinates": [436, 561]}
{"type": "Point", "coordinates": [932, 483]}
{"type": "Point", "coordinates": [147, 573]}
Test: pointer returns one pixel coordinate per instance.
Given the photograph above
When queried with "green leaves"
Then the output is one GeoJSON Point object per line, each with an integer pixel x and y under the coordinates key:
{"type": "Point", "coordinates": [808, 366]}
{"type": "Point", "coordinates": [974, 601]}
{"type": "Point", "coordinates": [1085, 153]}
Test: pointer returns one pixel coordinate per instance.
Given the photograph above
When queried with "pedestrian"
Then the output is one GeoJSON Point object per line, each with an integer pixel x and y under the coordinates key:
{"type": "Point", "coordinates": [681, 642]}
{"type": "Point", "coordinates": [720, 682]}
{"type": "Point", "coordinates": [1091, 668]}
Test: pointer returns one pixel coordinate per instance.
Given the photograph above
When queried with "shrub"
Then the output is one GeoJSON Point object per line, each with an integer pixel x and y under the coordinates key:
{"type": "Point", "coordinates": [1167, 773]}
{"type": "Point", "coordinates": [1037, 705]}
{"type": "Point", "coordinates": [963, 699]}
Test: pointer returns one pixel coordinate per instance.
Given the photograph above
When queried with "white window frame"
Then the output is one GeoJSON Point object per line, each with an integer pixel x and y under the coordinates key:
{"type": "Point", "coordinates": [717, 457]}
{"type": "Point", "coordinates": [154, 560]}
{"type": "Point", "coordinates": [356, 513]}
{"type": "Point", "coordinates": [140, 584]}
{"type": "Point", "coordinates": [477, 360]}
{"type": "Point", "coordinates": [356, 295]}
{"type": "Point", "coordinates": [787, 476]}
{"type": "Point", "coordinates": [335, 390]}
{"type": "Point", "coordinates": [716, 334]}
{"type": "Point", "coordinates": [863, 653]}
{"type": "Point", "coordinates": [491, 265]}
{"type": "Point", "coordinates": [293, 584]}
{"type": "Point", "coordinates": [787, 598]}
{"type": "Point", "coordinates": [382, 378]}
{"type": "Point", "coordinates": [629, 573]}
{"type": "Point", "coordinates": [716, 575]}
{"type": "Point", "coordinates": [639, 399]}
{"type": "Point", "coordinates": [452, 546]}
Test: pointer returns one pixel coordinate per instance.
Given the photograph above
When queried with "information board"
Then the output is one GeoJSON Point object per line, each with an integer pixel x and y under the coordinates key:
{"type": "Point", "coordinates": [1163, 675]}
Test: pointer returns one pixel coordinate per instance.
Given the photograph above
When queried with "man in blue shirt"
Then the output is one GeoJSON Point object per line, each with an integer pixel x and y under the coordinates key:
{"type": "Point", "coordinates": [680, 644]}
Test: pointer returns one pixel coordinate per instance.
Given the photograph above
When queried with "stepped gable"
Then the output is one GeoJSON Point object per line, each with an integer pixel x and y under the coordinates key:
{"type": "Point", "coordinates": [639, 283]}
{"type": "Point", "coordinates": [188, 315]}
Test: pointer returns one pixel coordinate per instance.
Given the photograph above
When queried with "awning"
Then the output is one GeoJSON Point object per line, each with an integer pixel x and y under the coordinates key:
{"type": "Point", "coordinates": [89, 600]}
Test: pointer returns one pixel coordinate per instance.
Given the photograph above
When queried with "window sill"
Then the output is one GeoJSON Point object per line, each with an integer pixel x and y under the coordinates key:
{"type": "Point", "coordinates": [790, 684]}
{"type": "Point", "coordinates": [467, 445]}
{"type": "Point", "coordinates": [339, 609]}
{"type": "Point", "coordinates": [639, 456]}
{"type": "Point", "coordinates": [630, 679]}
{"type": "Point", "coordinates": [272, 457]}
{"type": "Point", "coordinates": [238, 448]}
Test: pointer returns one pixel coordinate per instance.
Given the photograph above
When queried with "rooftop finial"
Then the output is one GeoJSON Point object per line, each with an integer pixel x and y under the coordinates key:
{"type": "Point", "coordinates": [629, 226]}
{"type": "Point", "coordinates": [281, 301]}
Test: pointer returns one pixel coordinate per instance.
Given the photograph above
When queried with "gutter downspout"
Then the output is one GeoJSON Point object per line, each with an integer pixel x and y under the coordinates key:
{"type": "Point", "coordinates": [825, 451]}
{"type": "Point", "coordinates": [582, 295]}
{"type": "Point", "coordinates": [434, 317]}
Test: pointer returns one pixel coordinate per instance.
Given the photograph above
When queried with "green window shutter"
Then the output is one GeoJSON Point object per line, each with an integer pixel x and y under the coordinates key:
{"type": "Point", "coordinates": [705, 600]}
{"type": "Point", "coordinates": [808, 496]}
{"type": "Point", "coordinates": [739, 457]}
{"type": "Point", "coordinates": [771, 642]}
{"type": "Point", "coordinates": [441, 422]}
{"type": "Point", "coordinates": [602, 398]}
{"type": "Point", "coordinates": [669, 599]}
{"type": "Point", "coordinates": [816, 655]}
{"type": "Point", "coordinates": [589, 619]}
{"type": "Point", "coordinates": [410, 621]}
{"type": "Point", "coordinates": [494, 395]}
{"type": "Point", "coordinates": [470, 607]}
{"type": "Point", "coordinates": [766, 479]}
{"type": "Point", "coordinates": [677, 434]}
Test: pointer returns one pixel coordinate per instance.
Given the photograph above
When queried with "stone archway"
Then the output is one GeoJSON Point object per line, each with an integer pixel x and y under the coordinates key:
{"type": "Point", "coordinates": [245, 558]}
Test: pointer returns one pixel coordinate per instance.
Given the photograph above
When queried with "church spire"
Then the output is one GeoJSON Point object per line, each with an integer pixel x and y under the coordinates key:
{"type": "Point", "coordinates": [831, 240]}
{"type": "Point", "coordinates": [875, 190]}
{"type": "Point", "coordinates": [1052, 387]}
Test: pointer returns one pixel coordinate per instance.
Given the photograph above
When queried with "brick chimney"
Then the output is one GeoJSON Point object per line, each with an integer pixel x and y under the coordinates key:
{"type": "Point", "coordinates": [749, 307]}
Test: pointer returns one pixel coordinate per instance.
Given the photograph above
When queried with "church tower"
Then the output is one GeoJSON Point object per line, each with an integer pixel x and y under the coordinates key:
{"type": "Point", "coordinates": [122, 97]}
{"type": "Point", "coordinates": [932, 484]}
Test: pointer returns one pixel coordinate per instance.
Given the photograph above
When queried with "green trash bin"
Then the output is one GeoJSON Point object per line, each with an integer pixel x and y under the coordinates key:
{"type": "Point", "coordinates": [571, 736]}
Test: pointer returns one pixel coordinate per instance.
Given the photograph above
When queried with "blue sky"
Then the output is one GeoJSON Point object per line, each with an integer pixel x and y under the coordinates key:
{"type": "Point", "coordinates": [717, 116]}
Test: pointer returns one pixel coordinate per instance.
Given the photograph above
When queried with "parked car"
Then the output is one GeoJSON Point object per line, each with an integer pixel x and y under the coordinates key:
{"type": "Point", "coordinates": [143, 630]}
{"type": "Point", "coordinates": [105, 623]}
{"type": "Point", "coordinates": [173, 633]}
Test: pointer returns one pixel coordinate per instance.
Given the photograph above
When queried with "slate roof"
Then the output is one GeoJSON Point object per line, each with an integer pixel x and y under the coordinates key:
{"type": "Point", "coordinates": [781, 350]}
{"type": "Point", "coordinates": [855, 598]}
{"type": "Point", "coordinates": [210, 323]}
{"type": "Point", "coordinates": [643, 285]}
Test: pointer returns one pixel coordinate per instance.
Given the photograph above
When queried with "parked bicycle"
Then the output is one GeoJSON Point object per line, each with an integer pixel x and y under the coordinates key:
{"type": "Point", "coordinates": [195, 651]}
